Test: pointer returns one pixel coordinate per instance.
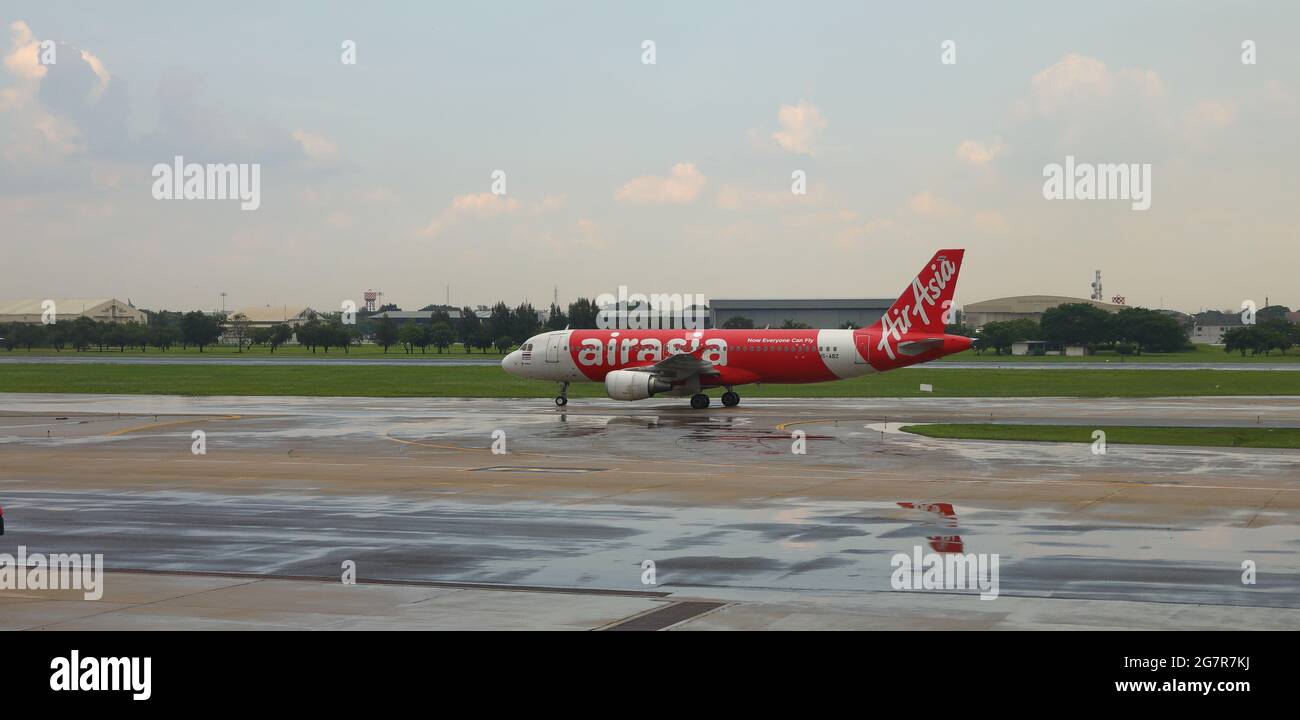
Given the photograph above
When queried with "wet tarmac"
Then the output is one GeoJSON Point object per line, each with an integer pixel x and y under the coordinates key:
{"type": "Point", "coordinates": [410, 490]}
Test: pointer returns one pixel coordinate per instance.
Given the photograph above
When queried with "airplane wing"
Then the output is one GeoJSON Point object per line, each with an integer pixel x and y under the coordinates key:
{"type": "Point", "coordinates": [681, 366]}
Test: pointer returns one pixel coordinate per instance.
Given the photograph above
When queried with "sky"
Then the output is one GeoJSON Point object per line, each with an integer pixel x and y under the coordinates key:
{"type": "Point", "coordinates": [916, 126]}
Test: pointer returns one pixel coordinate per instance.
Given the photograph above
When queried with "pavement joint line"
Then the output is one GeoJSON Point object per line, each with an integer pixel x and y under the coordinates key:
{"type": "Point", "coordinates": [132, 606]}
{"type": "Point", "coordinates": [186, 421]}
{"type": "Point", "coordinates": [259, 577]}
{"type": "Point", "coordinates": [1262, 508]}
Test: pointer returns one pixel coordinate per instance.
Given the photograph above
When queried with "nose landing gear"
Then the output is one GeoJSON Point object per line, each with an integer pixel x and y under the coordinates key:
{"type": "Point", "coordinates": [563, 398]}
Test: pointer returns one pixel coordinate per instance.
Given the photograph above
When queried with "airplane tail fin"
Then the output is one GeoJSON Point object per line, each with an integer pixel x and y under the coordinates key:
{"type": "Point", "coordinates": [926, 305]}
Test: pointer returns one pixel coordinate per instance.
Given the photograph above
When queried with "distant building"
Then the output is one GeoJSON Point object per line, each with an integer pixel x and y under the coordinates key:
{"type": "Point", "coordinates": [425, 317]}
{"type": "Point", "coordinates": [1029, 307]}
{"type": "Point", "coordinates": [268, 316]}
{"type": "Point", "coordinates": [30, 310]}
{"type": "Point", "coordinates": [830, 313]}
{"type": "Point", "coordinates": [1208, 327]}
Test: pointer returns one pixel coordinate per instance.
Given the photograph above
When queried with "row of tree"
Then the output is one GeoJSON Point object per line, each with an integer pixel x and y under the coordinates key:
{"type": "Point", "coordinates": [82, 333]}
{"type": "Point", "coordinates": [1129, 331]}
{"type": "Point", "coordinates": [1263, 337]}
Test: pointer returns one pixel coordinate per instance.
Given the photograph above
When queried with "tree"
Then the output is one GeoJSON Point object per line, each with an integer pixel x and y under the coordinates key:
{"type": "Point", "coordinates": [467, 328]}
{"type": "Point", "coordinates": [793, 325]}
{"type": "Point", "coordinates": [442, 336]}
{"type": "Point", "coordinates": [199, 328]}
{"type": "Point", "coordinates": [523, 323]}
{"type": "Point", "coordinates": [1241, 339]}
{"type": "Point", "coordinates": [385, 333]}
{"type": "Point", "coordinates": [1076, 324]}
{"type": "Point", "coordinates": [425, 337]}
{"type": "Point", "coordinates": [1001, 335]}
{"type": "Point", "coordinates": [503, 344]}
{"type": "Point", "coordinates": [340, 335]}
{"type": "Point", "coordinates": [280, 334]}
{"type": "Point", "coordinates": [408, 336]}
{"type": "Point", "coordinates": [240, 329]}
{"type": "Point", "coordinates": [500, 322]}
{"type": "Point", "coordinates": [738, 322]}
{"type": "Point", "coordinates": [164, 336]}
{"type": "Point", "coordinates": [557, 320]}
{"type": "Point", "coordinates": [310, 334]}
{"type": "Point", "coordinates": [1147, 330]}
{"type": "Point", "coordinates": [582, 314]}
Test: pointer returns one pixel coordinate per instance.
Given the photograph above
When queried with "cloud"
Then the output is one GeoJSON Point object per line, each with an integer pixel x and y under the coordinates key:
{"type": "Point", "coordinates": [800, 125]}
{"type": "Point", "coordinates": [318, 149]}
{"type": "Point", "coordinates": [549, 203]}
{"type": "Point", "coordinates": [928, 204]}
{"type": "Point", "coordinates": [24, 60]}
{"type": "Point", "coordinates": [974, 153]}
{"type": "Point", "coordinates": [682, 186]}
{"type": "Point", "coordinates": [990, 221]}
{"type": "Point", "coordinates": [1208, 116]}
{"type": "Point", "coordinates": [735, 197]}
{"type": "Point", "coordinates": [477, 205]}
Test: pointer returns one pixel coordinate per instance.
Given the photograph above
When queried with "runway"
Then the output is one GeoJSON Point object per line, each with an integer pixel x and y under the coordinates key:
{"type": "Point", "coordinates": [411, 491]}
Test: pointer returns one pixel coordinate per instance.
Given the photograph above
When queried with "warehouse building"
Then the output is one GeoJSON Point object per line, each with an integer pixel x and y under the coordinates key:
{"type": "Point", "coordinates": [33, 310]}
{"type": "Point", "coordinates": [265, 316]}
{"type": "Point", "coordinates": [831, 313]}
{"type": "Point", "coordinates": [1031, 307]}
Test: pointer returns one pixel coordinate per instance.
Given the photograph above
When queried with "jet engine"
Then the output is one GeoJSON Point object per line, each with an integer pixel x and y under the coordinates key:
{"type": "Point", "coordinates": [633, 385]}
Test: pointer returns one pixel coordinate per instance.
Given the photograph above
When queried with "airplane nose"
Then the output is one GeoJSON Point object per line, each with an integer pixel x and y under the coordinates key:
{"type": "Point", "coordinates": [510, 363]}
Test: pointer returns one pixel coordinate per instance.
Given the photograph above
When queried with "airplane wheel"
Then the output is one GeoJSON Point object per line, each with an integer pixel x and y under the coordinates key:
{"type": "Point", "coordinates": [730, 399]}
{"type": "Point", "coordinates": [699, 401]}
{"type": "Point", "coordinates": [561, 401]}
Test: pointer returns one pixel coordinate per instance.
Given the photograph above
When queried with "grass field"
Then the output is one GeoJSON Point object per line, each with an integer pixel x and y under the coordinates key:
{"type": "Point", "coordinates": [1118, 435]}
{"type": "Point", "coordinates": [1202, 354]}
{"type": "Point", "coordinates": [471, 381]}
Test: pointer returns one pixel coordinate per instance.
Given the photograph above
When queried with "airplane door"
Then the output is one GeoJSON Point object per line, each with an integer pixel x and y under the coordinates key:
{"type": "Point", "coordinates": [862, 346]}
{"type": "Point", "coordinates": [553, 348]}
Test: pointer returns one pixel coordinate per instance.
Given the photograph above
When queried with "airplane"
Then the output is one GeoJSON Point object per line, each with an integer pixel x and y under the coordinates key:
{"type": "Point", "coordinates": [640, 364]}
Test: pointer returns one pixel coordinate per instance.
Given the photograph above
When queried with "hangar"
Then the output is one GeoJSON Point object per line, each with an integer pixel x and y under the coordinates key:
{"type": "Point", "coordinates": [102, 309]}
{"type": "Point", "coordinates": [828, 313]}
{"type": "Point", "coordinates": [979, 314]}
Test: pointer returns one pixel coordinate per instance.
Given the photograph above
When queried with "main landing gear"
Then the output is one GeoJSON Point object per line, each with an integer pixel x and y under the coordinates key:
{"type": "Point", "coordinates": [700, 401]}
{"type": "Point", "coordinates": [563, 398]}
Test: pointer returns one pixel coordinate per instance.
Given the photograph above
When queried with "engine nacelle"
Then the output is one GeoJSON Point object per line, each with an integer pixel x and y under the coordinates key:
{"type": "Point", "coordinates": [633, 385]}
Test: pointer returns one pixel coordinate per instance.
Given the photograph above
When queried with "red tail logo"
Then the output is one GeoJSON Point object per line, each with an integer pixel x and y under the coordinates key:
{"type": "Point", "coordinates": [926, 306]}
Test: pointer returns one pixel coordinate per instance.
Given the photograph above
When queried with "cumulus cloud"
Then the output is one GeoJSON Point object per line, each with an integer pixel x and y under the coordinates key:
{"type": "Point", "coordinates": [476, 205]}
{"type": "Point", "coordinates": [735, 197]}
{"type": "Point", "coordinates": [928, 204]}
{"type": "Point", "coordinates": [23, 60]}
{"type": "Point", "coordinates": [1208, 116]}
{"type": "Point", "coordinates": [800, 126]}
{"type": "Point", "coordinates": [318, 149]}
{"type": "Point", "coordinates": [681, 187]}
{"type": "Point", "coordinates": [975, 153]}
